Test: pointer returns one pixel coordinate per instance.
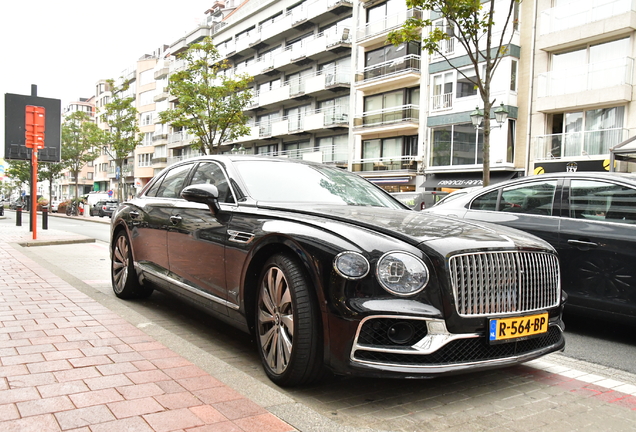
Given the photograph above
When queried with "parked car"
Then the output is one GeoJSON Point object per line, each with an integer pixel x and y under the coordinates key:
{"type": "Point", "coordinates": [55, 204]}
{"type": "Point", "coordinates": [104, 207]}
{"type": "Point", "coordinates": [590, 219]}
{"type": "Point", "coordinates": [1, 208]}
{"type": "Point", "coordinates": [328, 270]}
{"type": "Point", "coordinates": [419, 200]}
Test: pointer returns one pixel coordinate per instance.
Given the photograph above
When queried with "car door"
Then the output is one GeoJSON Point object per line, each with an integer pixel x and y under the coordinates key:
{"type": "Point", "coordinates": [531, 206]}
{"type": "Point", "coordinates": [598, 246]}
{"type": "Point", "coordinates": [150, 220]}
{"type": "Point", "coordinates": [196, 241]}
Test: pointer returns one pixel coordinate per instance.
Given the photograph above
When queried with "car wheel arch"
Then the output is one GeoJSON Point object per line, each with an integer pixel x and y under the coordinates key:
{"type": "Point", "coordinates": [249, 285]}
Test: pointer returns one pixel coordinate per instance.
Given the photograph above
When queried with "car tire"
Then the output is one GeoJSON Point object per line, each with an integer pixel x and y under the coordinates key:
{"type": "Point", "coordinates": [123, 275]}
{"type": "Point", "coordinates": [288, 331]}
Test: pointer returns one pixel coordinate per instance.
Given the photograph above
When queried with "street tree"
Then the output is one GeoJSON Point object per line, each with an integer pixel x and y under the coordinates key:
{"type": "Point", "coordinates": [472, 24]}
{"type": "Point", "coordinates": [80, 138]}
{"type": "Point", "coordinates": [123, 135]}
{"type": "Point", "coordinates": [210, 104]}
{"type": "Point", "coordinates": [50, 171]}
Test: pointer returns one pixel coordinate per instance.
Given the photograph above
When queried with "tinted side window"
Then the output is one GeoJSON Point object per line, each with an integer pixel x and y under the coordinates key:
{"type": "Point", "coordinates": [172, 183]}
{"type": "Point", "coordinates": [529, 198]}
{"type": "Point", "coordinates": [211, 173]}
{"type": "Point", "coordinates": [598, 200]}
{"type": "Point", "coordinates": [486, 201]}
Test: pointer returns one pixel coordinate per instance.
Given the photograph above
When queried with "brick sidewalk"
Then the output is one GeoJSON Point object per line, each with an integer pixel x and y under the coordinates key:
{"type": "Point", "coordinates": [68, 363]}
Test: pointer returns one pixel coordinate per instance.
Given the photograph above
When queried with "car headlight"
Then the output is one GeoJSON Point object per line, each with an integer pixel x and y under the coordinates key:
{"type": "Point", "coordinates": [351, 265]}
{"type": "Point", "coordinates": [402, 273]}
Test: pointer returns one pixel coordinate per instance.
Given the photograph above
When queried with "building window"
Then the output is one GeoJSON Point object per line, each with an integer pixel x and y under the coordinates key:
{"type": "Point", "coordinates": [388, 153]}
{"type": "Point", "coordinates": [146, 118]}
{"type": "Point", "coordinates": [89, 176]}
{"type": "Point", "coordinates": [295, 150]}
{"type": "Point", "coordinates": [161, 151]}
{"type": "Point", "coordinates": [144, 160]}
{"type": "Point", "coordinates": [391, 107]}
{"type": "Point", "coordinates": [513, 75]}
{"type": "Point", "coordinates": [146, 98]}
{"type": "Point", "coordinates": [334, 149]}
{"type": "Point", "coordinates": [457, 145]}
{"type": "Point", "coordinates": [466, 83]}
{"type": "Point", "coordinates": [146, 77]}
{"type": "Point", "coordinates": [146, 139]}
{"type": "Point", "coordinates": [585, 133]}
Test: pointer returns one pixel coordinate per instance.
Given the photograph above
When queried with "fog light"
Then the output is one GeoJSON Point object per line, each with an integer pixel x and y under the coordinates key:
{"type": "Point", "coordinates": [400, 333]}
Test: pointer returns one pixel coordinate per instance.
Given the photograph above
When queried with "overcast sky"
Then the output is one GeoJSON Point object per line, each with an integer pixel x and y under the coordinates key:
{"type": "Point", "coordinates": [65, 46]}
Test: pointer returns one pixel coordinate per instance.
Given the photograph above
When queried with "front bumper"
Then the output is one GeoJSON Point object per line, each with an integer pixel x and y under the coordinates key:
{"type": "Point", "coordinates": [429, 349]}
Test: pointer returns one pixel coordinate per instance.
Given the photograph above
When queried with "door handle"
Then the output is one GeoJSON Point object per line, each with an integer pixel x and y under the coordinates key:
{"type": "Point", "coordinates": [583, 245]}
{"type": "Point", "coordinates": [134, 214]}
{"type": "Point", "coordinates": [175, 219]}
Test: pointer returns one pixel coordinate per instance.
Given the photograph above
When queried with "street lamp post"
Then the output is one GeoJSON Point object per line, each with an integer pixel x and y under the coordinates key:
{"type": "Point", "coordinates": [477, 117]}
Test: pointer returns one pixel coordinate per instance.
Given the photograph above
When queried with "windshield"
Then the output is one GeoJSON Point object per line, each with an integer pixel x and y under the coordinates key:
{"type": "Point", "coordinates": [280, 182]}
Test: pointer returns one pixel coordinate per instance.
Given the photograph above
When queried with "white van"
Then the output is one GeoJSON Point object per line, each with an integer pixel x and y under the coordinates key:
{"type": "Point", "coordinates": [92, 198]}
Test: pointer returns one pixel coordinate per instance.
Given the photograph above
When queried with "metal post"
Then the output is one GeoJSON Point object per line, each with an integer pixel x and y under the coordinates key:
{"type": "Point", "coordinates": [45, 217]}
{"type": "Point", "coordinates": [18, 215]}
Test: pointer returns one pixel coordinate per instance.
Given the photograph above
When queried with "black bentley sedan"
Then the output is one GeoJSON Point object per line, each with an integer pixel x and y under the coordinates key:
{"type": "Point", "coordinates": [589, 218]}
{"type": "Point", "coordinates": [328, 271]}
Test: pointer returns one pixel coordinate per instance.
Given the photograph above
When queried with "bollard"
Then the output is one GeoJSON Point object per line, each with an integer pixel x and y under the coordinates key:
{"type": "Point", "coordinates": [45, 217]}
{"type": "Point", "coordinates": [18, 215]}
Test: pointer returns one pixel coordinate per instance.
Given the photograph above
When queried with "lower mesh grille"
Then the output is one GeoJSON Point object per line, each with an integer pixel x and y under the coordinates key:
{"type": "Point", "coordinates": [465, 351]}
{"type": "Point", "coordinates": [376, 332]}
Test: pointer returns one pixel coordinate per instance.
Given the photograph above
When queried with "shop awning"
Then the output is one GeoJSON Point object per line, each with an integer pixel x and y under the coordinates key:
{"type": "Point", "coordinates": [625, 151]}
{"type": "Point", "coordinates": [466, 179]}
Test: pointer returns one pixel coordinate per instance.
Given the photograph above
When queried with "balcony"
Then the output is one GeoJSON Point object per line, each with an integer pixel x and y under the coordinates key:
{"type": "Point", "coordinates": [320, 119]}
{"type": "Point", "coordinates": [370, 33]}
{"type": "Point", "coordinates": [581, 13]}
{"type": "Point", "coordinates": [442, 102]}
{"type": "Point", "coordinates": [446, 49]}
{"type": "Point", "coordinates": [179, 139]}
{"type": "Point", "coordinates": [285, 23]}
{"type": "Point", "coordinates": [610, 81]}
{"type": "Point", "coordinates": [577, 144]}
{"type": "Point", "coordinates": [334, 155]}
{"type": "Point", "coordinates": [400, 117]}
{"type": "Point", "coordinates": [161, 95]}
{"type": "Point", "coordinates": [162, 73]}
{"type": "Point", "coordinates": [319, 82]}
{"type": "Point", "coordinates": [584, 21]}
{"type": "Point", "coordinates": [385, 165]}
{"type": "Point", "coordinates": [402, 72]}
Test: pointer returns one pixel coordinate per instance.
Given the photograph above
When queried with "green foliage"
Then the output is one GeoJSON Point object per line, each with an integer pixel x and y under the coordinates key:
{"type": "Point", "coordinates": [123, 135]}
{"type": "Point", "coordinates": [210, 105]}
{"type": "Point", "coordinates": [19, 171]}
{"type": "Point", "coordinates": [80, 138]}
{"type": "Point", "coordinates": [471, 23]}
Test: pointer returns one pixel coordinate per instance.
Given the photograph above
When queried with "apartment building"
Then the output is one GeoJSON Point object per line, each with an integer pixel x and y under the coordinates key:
{"type": "Point", "coordinates": [582, 83]}
{"type": "Point", "coordinates": [327, 87]}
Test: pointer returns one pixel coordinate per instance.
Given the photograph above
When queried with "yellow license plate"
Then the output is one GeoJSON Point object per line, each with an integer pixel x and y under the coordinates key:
{"type": "Point", "coordinates": [518, 327]}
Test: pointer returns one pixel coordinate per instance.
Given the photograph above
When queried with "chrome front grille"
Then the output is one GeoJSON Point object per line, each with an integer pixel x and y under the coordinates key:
{"type": "Point", "coordinates": [494, 283]}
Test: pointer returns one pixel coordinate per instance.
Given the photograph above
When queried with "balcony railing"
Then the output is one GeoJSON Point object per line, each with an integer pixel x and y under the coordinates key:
{"type": "Point", "coordinates": [391, 163]}
{"type": "Point", "coordinates": [446, 48]}
{"type": "Point", "coordinates": [582, 12]}
{"type": "Point", "coordinates": [387, 23]}
{"type": "Point", "coordinates": [576, 144]}
{"type": "Point", "coordinates": [442, 102]}
{"type": "Point", "coordinates": [409, 63]}
{"type": "Point", "coordinates": [331, 154]}
{"type": "Point", "coordinates": [389, 116]}
{"type": "Point", "coordinates": [594, 76]}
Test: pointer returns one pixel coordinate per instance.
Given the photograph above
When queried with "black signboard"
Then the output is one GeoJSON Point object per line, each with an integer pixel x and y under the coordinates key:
{"type": "Point", "coordinates": [14, 128]}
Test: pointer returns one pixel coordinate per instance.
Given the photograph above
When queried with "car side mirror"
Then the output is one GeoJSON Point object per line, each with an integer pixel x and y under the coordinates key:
{"type": "Point", "coordinates": [203, 193]}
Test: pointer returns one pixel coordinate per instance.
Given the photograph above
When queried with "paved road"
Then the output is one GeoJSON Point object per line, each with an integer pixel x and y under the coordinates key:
{"type": "Point", "coordinates": [519, 398]}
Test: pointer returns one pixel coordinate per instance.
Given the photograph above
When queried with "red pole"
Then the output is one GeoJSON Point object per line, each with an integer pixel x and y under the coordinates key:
{"type": "Point", "coordinates": [34, 193]}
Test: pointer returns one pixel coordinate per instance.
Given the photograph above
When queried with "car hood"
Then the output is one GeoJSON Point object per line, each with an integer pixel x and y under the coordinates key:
{"type": "Point", "coordinates": [445, 234]}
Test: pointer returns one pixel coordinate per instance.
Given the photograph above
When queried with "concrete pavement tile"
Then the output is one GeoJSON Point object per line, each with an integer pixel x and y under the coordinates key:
{"type": "Point", "coordinates": [138, 391]}
{"type": "Point", "coordinates": [171, 420]}
{"type": "Point", "coordinates": [208, 414]}
{"type": "Point", "coordinates": [43, 348]}
{"type": "Point", "coordinates": [199, 382]}
{"type": "Point", "coordinates": [59, 389]}
{"type": "Point", "coordinates": [42, 423]}
{"type": "Point", "coordinates": [184, 372]}
{"type": "Point", "coordinates": [84, 417]}
{"type": "Point", "coordinates": [147, 376]}
{"type": "Point", "coordinates": [226, 426]}
{"type": "Point", "coordinates": [178, 400]}
{"type": "Point", "coordinates": [22, 359]}
{"type": "Point", "coordinates": [144, 365]}
{"type": "Point", "coordinates": [18, 395]}
{"type": "Point", "coordinates": [239, 408]}
{"type": "Point", "coordinates": [110, 381]}
{"type": "Point", "coordinates": [62, 355]}
{"type": "Point", "coordinates": [96, 397]}
{"type": "Point", "coordinates": [263, 423]}
{"type": "Point", "coordinates": [45, 406]}
{"type": "Point", "coordinates": [31, 380]}
{"type": "Point", "coordinates": [134, 424]}
{"type": "Point", "coordinates": [9, 412]}
{"type": "Point", "coordinates": [76, 374]}
{"type": "Point", "coordinates": [147, 405]}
